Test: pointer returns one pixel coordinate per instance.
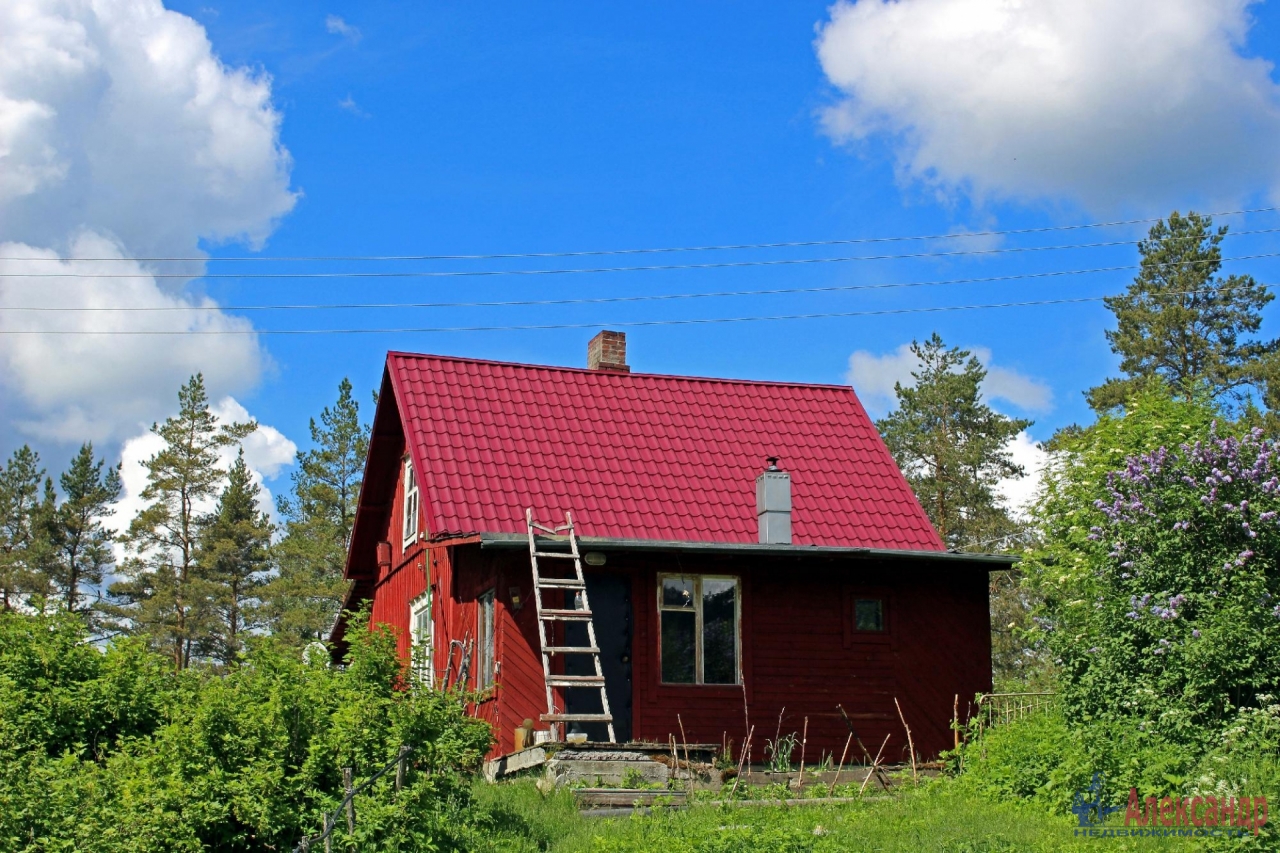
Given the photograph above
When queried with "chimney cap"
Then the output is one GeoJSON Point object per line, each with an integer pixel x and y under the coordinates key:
{"type": "Point", "coordinates": [773, 463]}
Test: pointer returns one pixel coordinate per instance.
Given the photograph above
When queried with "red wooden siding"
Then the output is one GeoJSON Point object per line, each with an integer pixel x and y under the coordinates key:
{"type": "Point", "coordinates": [794, 656]}
{"type": "Point", "coordinates": [799, 652]}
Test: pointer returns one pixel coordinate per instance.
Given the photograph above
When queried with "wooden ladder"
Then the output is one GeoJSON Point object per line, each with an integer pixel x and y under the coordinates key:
{"type": "Point", "coordinates": [576, 586]}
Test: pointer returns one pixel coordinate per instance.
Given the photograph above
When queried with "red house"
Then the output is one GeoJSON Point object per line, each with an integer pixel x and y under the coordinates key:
{"type": "Point", "coordinates": [719, 592]}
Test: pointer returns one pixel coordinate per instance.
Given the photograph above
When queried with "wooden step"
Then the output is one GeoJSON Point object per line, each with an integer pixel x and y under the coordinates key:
{"type": "Point", "coordinates": [566, 615]}
{"type": "Point", "coordinates": [576, 681]}
{"type": "Point", "coordinates": [577, 718]}
{"type": "Point", "coordinates": [556, 555]}
{"type": "Point", "coordinates": [570, 650]}
{"type": "Point", "coordinates": [561, 583]}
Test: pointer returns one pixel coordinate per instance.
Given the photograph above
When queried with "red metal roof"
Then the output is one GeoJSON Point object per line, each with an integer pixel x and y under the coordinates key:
{"type": "Point", "coordinates": [646, 456]}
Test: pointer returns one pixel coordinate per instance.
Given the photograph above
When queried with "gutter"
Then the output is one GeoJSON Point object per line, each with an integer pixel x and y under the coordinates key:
{"type": "Point", "coordinates": [519, 541]}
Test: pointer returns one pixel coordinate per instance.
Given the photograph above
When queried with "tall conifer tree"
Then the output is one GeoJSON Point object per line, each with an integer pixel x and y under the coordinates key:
{"type": "Point", "coordinates": [165, 592]}
{"type": "Point", "coordinates": [306, 595]}
{"type": "Point", "coordinates": [21, 529]}
{"type": "Point", "coordinates": [81, 544]}
{"type": "Point", "coordinates": [1181, 323]}
{"type": "Point", "coordinates": [952, 446]}
{"type": "Point", "coordinates": [234, 558]}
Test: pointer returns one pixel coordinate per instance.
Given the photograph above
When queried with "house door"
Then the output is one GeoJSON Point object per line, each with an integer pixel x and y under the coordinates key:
{"type": "Point", "coordinates": [610, 597]}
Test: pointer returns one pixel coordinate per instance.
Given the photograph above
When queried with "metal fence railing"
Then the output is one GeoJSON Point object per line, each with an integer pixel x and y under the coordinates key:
{"type": "Point", "coordinates": [997, 708]}
{"type": "Point", "coordinates": [348, 803]}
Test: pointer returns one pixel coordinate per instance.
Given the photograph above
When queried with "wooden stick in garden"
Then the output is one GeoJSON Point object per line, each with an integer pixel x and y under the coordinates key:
{"type": "Point", "coordinates": [804, 739]}
{"type": "Point", "coordinates": [741, 759]}
{"type": "Point", "coordinates": [349, 787]}
{"type": "Point", "coordinates": [836, 781]}
{"type": "Point", "coordinates": [874, 764]}
{"type": "Point", "coordinates": [915, 780]}
{"type": "Point", "coordinates": [687, 763]}
{"type": "Point", "coordinates": [400, 762]}
{"type": "Point", "coordinates": [675, 759]}
{"type": "Point", "coordinates": [955, 720]}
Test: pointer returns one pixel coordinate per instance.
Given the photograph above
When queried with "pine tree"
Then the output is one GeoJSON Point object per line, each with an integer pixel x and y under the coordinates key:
{"type": "Point", "coordinates": [234, 557]}
{"type": "Point", "coordinates": [951, 446]}
{"type": "Point", "coordinates": [1182, 323]}
{"type": "Point", "coordinates": [81, 544]}
{"type": "Point", "coordinates": [21, 534]}
{"type": "Point", "coordinates": [165, 593]}
{"type": "Point", "coordinates": [305, 597]}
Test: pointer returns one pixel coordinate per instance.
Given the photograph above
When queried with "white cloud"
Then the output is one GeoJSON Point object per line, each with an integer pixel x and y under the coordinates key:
{"type": "Point", "coordinates": [101, 387]}
{"type": "Point", "coordinates": [1099, 102]}
{"type": "Point", "coordinates": [349, 104]}
{"type": "Point", "coordinates": [1019, 494]}
{"type": "Point", "coordinates": [123, 135]}
{"type": "Point", "coordinates": [339, 27]}
{"type": "Point", "coordinates": [266, 451]}
{"type": "Point", "coordinates": [874, 376]}
{"type": "Point", "coordinates": [119, 117]}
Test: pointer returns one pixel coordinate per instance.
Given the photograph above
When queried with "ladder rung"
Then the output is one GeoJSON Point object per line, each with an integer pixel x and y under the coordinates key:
{"type": "Point", "coordinates": [575, 680]}
{"type": "Point", "coordinates": [577, 718]}
{"type": "Point", "coordinates": [570, 650]}
{"type": "Point", "coordinates": [567, 615]}
{"type": "Point", "coordinates": [561, 583]}
{"type": "Point", "coordinates": [556, 555]}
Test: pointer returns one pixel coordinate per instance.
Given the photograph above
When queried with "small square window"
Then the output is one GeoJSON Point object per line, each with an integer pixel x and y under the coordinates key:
{"type": "Point", "coordinates": [868, 614]}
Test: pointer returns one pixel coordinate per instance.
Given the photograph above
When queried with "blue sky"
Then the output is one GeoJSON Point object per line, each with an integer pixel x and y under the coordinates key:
{"type": "Point", "coordinates": [456, 128]}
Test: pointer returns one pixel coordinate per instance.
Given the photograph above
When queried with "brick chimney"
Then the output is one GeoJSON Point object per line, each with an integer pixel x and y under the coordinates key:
{"type": "Point", "coordinates": [607, 351]}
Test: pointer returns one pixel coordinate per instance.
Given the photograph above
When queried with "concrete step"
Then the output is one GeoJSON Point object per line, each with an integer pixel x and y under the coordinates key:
{"type": "Point", "coordinates": [588, 798]}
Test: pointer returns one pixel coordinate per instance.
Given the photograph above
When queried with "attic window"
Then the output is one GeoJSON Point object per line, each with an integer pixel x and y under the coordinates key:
{"type": "Point", "coordinates": [699, 630]}
{"type": "Point", "coordinates": [410, 504]}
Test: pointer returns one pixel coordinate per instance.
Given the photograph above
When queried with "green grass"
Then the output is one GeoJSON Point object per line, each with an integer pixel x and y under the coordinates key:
{"type": "Point", "coordinates": [937, 818]}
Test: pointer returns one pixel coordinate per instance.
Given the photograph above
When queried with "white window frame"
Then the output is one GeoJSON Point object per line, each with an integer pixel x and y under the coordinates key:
{"type": "Point", "coordinates": [486, 638]}
{"type": "Point", "coordinates": [411, 505]}
{"type": "Point", "coordinates": [422, 638]}
{"type": "Point", "coordinates": [698, 630]}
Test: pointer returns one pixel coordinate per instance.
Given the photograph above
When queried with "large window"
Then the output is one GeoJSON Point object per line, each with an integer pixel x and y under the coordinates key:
{"type": "Point", "coordinates": [699, 616]}
{"type": "Point", "coordinates": [410, 504]}
{"type": "Point", "coordinates": [485, 645]}
{"type": "Point", "coordinates": [422, 634]}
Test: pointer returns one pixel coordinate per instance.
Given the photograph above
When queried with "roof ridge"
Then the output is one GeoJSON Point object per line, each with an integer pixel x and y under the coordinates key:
{"type": "Point", "coordinates": [589, 371]}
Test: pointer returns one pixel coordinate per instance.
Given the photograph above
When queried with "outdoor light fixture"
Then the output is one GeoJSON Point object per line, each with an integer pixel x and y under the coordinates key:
{"type": "Point", "coordinates": [594, 558]}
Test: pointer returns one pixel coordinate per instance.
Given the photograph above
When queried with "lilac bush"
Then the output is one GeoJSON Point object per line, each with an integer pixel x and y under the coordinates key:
{"type": "Point", "coordinates": [1173, 608]}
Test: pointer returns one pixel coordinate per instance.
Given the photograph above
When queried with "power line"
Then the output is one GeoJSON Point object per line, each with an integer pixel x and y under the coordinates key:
{"type": "Point", "coordinates": [595, 325]}
{"type": "Point", "coordinates": [598, 300]}
{"type": "Point", "coordinates": [660, 250]}
{"type": "Point", "coordinates": [581, 270]}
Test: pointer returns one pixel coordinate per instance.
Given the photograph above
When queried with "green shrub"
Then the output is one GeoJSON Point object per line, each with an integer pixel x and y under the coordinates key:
{"type": "Point", "coordinates": [113, 751]}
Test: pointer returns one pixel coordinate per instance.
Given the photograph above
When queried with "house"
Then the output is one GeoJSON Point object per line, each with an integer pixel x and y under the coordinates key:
{"type": "Point", "coordinates": [749, 547]}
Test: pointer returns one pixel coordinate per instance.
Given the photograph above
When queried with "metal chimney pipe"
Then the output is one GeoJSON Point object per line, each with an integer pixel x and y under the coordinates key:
{"type": "Point", "coordinates": [773, 504]}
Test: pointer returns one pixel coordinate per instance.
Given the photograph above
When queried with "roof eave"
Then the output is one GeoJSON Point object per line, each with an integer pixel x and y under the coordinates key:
{"type": "Point", "coordinates": [993, 562]}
